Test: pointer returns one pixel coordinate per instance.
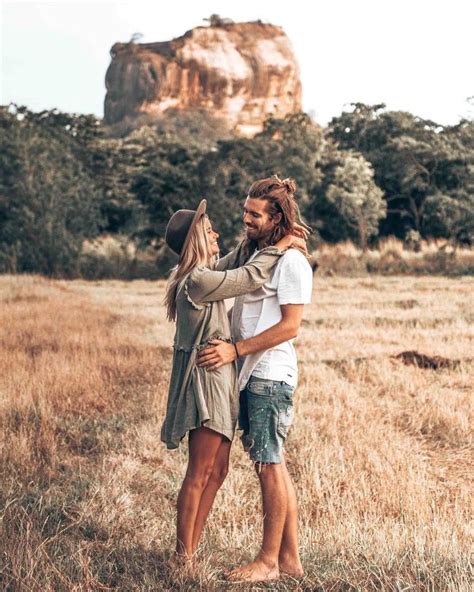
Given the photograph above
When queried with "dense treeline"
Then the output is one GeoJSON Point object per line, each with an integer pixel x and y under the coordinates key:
{"type": "Point", "coordinates": [371, 173]}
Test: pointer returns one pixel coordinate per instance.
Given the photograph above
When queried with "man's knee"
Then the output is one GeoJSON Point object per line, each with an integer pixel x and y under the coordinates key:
{"type": "Point", "coordinates": [268, 471]}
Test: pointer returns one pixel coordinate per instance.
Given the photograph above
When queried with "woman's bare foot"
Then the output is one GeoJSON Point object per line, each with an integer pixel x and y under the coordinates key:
{"type": "Point", "coordinates": [257, 571]}
{"type": "Point", "coordinates": [180, 560]}
{"type": "Point", "coordinates": [183, 566]}
{"type": "Point", "coordinates": [291, 566]}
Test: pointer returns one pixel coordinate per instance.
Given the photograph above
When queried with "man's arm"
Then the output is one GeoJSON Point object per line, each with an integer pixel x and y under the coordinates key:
{"type": "Point", "coordinates": [220, 352]}
{"type": "Point", "coordinates": [287, 328]}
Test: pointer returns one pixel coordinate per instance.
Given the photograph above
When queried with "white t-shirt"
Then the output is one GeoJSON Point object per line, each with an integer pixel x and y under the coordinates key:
{"type": "Point", "coordinates": [253, 313]}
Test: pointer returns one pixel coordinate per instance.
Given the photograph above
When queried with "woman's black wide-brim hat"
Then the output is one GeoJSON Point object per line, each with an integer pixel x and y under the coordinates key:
{"type": "Point", "coordinates": [180, 227]}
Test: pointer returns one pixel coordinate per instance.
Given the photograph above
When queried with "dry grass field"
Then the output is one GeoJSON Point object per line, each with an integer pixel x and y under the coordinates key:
{"type": "Point", "coordinates": [381, 452]}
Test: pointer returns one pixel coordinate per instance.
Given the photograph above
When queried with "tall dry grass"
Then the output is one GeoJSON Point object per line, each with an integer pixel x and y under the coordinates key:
{"type": "Point", "coordinates": [392, 257]}
{"type": "Point", "coordinates": [381, 453]}
{"type": "Point", "coordinates": [114, 256]}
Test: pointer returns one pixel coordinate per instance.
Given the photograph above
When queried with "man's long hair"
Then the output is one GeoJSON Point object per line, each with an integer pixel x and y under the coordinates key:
{"type": "Point", "coordinates": [280, 195]}
{"type": "Point", "coordinates": [197, 252]}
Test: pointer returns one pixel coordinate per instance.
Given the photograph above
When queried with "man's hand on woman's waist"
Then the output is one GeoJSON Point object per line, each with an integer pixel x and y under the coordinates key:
{"type": "Point", "coordinates": [219, 353]}
{"type": "Point", "coordinates": [216, 354]}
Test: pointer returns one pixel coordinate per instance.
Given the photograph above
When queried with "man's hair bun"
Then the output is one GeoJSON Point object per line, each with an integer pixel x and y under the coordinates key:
{"type": "Point", "coordinates": [289, 185]}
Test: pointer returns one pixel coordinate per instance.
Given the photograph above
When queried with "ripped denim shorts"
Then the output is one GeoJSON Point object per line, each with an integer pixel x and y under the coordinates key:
{"type": "Point", "coordinates": [266, 414]}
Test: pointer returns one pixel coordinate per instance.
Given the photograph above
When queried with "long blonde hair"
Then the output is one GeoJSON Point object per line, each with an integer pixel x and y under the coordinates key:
{"type": "Point", "coordinates": [198, 252]}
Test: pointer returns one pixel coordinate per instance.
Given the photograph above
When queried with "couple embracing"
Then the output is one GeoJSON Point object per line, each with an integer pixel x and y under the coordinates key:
{"type": "Point", "coordinates": [242, 371]}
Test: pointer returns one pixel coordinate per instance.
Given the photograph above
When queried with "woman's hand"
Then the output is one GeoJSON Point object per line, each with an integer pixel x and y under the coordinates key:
{"type": "Point", "coordinates": [301, 231]}
{"type": "Point", "coordinates": [292, 241]}
{"type": "Point", "coordinates": [299, 244]}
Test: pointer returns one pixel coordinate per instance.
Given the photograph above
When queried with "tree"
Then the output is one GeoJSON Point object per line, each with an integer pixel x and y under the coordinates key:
{"type": "Point", "coordinates": [450, 217]}
{"type": "Point", "coordinates": [48, 202]}
{"type": "Point", "coordinates": [413, 159]}
{"type": "Point", "coordinates": [114, 164]}
{"type": "Point", "coordinates": [289, 147]}
{"type": "Point", "coordinates": [164, 180]}
{"type": "Point", "coordinates": [357, 197]}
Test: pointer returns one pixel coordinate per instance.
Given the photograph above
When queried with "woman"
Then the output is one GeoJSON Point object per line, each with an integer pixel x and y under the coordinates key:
{"type": "Point", "coordinates": [205, 404]}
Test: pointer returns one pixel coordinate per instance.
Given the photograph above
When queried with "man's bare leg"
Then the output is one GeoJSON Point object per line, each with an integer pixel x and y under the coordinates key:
{"type": "Point", "coordinates": [216, 479]}
{"type": "Point", "coordinates": [274, 502]}
{"type": "Point", "coordinates": [203, 447]}
{"type": "Point", "coordinates": [288, 558]}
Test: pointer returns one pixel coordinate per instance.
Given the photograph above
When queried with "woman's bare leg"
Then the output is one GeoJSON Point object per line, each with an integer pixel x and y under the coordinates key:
{"type": "Point", "coordinates": [216, 479]}
{"type": "Point", "coordinates": [203, 447]}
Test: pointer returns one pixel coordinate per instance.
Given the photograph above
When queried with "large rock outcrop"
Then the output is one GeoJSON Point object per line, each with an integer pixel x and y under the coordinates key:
{"type": "Point", "coordinates": [238, 72]}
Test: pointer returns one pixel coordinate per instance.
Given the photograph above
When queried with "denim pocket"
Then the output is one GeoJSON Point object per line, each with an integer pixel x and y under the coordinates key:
{"type": "Point", "coordinates": [285, 418]}
{"type": "Point", "coordinates": [257, 387]}
{"type": "Point", "coordinates": [258, 415]}
{"type": "Point", "coordinates": [284, 390]}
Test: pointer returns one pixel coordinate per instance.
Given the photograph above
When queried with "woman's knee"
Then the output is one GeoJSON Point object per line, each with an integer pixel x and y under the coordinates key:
{"type": "Point", "coordinates": [198, 476]}
{"type": "Point", "coordinates": [219, 472]}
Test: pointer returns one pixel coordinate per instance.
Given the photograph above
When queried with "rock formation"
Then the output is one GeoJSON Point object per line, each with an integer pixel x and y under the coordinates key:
{"type": "Point", "coordinates": [238, 72]}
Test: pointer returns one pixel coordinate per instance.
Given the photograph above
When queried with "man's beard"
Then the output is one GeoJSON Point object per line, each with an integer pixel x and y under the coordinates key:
{"type": "Point", "coordinates": [257, 235]}
{"type": "Point", "coordinates": [251, 243]}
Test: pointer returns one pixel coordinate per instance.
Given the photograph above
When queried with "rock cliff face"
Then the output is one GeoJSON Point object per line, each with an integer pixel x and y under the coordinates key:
{"type": "Point", "coordinates": [239, 72]}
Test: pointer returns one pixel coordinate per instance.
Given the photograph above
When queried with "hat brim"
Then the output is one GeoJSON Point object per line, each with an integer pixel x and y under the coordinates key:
{"type": "Point", "coordinates": [200, 211]}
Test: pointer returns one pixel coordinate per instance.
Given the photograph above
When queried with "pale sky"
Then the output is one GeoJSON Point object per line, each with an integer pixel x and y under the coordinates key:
{"type": "Point", "coordinates": [414, 55]}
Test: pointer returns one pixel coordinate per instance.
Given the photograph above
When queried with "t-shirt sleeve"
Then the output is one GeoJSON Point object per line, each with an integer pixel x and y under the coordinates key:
{"type": "Point", "coordinates": [295, 282]}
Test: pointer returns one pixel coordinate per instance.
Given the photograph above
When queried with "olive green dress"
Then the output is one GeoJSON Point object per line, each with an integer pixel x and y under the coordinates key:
{"type": "Point", "coordinates": [197, 397]}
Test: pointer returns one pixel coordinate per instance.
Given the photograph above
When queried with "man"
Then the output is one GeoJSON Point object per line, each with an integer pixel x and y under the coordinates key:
{"type": "Point", "coordinates": [264, 324]}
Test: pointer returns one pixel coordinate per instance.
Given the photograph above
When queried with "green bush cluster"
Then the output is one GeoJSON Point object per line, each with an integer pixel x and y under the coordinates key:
{"type": "Point", "coordinates": [67, 179]}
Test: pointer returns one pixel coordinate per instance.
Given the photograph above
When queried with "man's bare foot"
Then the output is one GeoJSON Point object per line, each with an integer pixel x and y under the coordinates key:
{"type": "Point", "coordinates": [257, 571]}
{"type": "Point", "coordinates": [291, 566]}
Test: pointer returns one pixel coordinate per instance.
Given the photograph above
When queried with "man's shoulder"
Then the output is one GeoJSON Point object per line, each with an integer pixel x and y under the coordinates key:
{"type": "Point", "coordinates": [292, 258]}
{"type": "Point", "coordinates": [295, 280]}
